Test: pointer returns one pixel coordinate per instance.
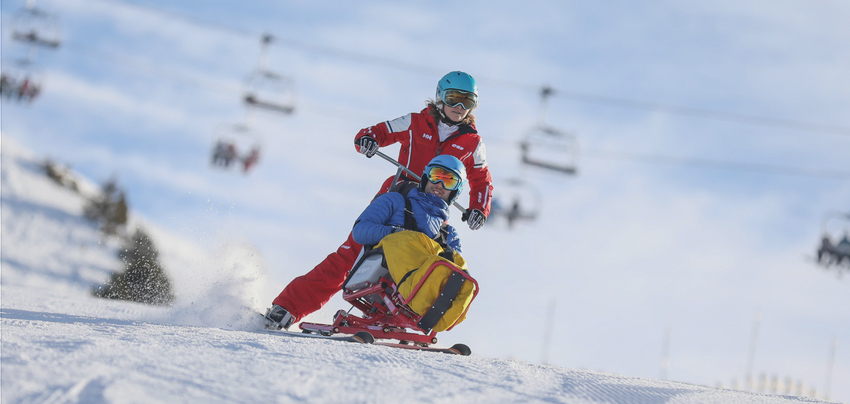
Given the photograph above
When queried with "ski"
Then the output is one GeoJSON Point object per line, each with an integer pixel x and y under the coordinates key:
{"type": "Point", "coordinates": [360, 337]}
{"type": "Point", "coordinates": [456, 349]}
{"type": "Point", "coordinates": [364, 337]}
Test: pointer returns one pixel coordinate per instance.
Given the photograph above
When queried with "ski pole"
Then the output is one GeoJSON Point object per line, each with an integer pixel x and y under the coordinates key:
{"type": "Point", "coordinates": [402, 168]}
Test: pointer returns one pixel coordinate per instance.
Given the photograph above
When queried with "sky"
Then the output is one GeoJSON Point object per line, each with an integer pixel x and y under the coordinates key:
{"type": "Point", "coordinates": [61, 344]}
{"type": "Point", "coordinates": [712, 141]}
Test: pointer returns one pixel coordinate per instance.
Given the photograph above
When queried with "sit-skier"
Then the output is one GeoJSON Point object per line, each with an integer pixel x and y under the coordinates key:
{"type": "Point", "coordinates": [441, 183]}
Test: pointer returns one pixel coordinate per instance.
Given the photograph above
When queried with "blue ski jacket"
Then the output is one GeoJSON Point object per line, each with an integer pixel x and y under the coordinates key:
{"type": "Point", "coordinates": [386, 214]}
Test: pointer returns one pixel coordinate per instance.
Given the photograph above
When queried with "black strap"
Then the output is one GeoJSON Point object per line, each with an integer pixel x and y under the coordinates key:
{"type": "Point", "coordinates": [409, 220]}
{"type": "Point", "coordinates": [448, 254]}
{"type": "Point", "coordinates": [404, 188]}
{"type": "Point", "coordinates": [442, 239]}
{"type": "Point", "coordinates": [443, 302]}
{"type": "Point", "coordinates": [406, 277]}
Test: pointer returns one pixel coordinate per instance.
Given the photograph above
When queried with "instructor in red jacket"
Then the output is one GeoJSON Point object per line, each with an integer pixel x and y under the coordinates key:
{"type": "Point", "coordinates": [445, 126]}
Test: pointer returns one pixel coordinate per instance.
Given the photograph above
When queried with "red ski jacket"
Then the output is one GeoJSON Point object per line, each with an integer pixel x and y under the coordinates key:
{"type": "Point", "coordinates": [420, 142]}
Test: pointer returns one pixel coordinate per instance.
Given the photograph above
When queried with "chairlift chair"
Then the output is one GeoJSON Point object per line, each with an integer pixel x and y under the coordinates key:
{"type": "Point", "coordinates": [832, 253]}
{"type": "Point", "coordinates": [267, 90]}
{"type": "Point", "coordinates": [550, 148]}
{"type": "Point", "coordinates": [36, 27]}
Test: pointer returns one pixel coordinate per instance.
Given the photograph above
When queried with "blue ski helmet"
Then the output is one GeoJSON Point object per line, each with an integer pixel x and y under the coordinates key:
{"type": "Point", "coordinates": [457, 80]}
{"type": "Point", "coordinates": [450, 163]}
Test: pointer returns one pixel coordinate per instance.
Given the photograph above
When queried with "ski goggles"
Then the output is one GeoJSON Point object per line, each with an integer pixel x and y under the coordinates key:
{"type": "Point", "coordinates": [450, 180]}
{"type": "Point", "coordinates": [454, 98]}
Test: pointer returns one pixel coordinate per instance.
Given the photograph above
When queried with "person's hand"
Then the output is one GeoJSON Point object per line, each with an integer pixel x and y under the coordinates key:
{"type": "Point", "coordinates": [474, 218]}
{"type": "Point", "coordinates": [368, 146]}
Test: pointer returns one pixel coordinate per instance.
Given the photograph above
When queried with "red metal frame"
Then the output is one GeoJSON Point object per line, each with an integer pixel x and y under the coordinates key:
{"type": "Point", "coordinates": [385, 312]}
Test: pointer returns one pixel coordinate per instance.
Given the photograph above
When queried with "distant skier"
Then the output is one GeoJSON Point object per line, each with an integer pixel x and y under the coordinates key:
{"type": "Point", "coordinates": [825, 251]}
{"type": "Point", "coordinates": [842, 251]}
{"type": "Point", "coordinates": [23, 90]}
{"type": "Point", "coordinates": [251, 159]}
{"type": "Point", "coordinates": [224, 153]}
{"type": "Point", "coordinates": [445, 127]}
{"type": "Point", "coordinates": [6, 85]}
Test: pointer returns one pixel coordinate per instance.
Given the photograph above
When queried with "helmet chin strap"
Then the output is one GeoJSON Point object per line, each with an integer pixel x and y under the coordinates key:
{"type": "Point", "coordinates": [449, 121]}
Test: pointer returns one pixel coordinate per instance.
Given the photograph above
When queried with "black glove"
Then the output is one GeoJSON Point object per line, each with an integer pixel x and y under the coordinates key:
{"type": "Point", "coordinates": [474, 218]}
{"type": "Point", "coordinates": [368, 145]}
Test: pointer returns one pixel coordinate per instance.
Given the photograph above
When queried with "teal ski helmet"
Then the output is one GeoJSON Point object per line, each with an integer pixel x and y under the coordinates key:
{"type": "Point", "coordinates": [459, 81]}
{"type": "Point", "coordinates": [450, 163]}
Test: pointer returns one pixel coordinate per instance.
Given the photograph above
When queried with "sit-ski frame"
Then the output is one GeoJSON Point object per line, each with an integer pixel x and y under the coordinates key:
{"type": "Point", "coordinates": [390, 317]}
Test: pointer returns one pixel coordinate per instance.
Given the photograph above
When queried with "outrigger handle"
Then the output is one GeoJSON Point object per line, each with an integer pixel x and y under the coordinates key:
{"type": "Point", "coordinates": [404, 169]}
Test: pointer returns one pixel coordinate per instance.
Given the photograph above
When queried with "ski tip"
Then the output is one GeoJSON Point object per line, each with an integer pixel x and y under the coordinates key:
{"type": "Point", "coordinates": [460, 349]}
{"type": "Point", "coordinates": [364, 337]}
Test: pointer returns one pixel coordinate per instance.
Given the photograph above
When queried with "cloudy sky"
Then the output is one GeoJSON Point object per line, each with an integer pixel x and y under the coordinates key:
{"type": "Point", "coordinates": [712, 141]}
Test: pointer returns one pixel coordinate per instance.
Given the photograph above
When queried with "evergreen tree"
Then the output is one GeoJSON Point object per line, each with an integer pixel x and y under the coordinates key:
{"type": "Point", "coordinates": [143, 279]}
{"type": "Point", "coordinates": [60, 175]}
{"type": "Point", "coordinates": [109, 208]}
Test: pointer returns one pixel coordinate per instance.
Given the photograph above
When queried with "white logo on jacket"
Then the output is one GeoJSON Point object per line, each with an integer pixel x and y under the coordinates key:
{"type": "Point", "coordinates": [427, 136]}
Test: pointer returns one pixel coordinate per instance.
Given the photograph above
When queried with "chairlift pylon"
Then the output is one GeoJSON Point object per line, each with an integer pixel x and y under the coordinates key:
{"type": "Point", "coordinates": [516, 200]}
{"type": "Point", "coordinates": [235, 144]}
{"type": "Point", "coordinates": [269, 90]}
{"type": "Point", "coordinates": [547, 147]}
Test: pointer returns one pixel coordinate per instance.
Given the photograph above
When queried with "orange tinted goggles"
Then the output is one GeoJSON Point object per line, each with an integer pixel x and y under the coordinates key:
{"type": "Point", "coordinates": [449, 179]}
{"type": "Point", "coordinates": [454, 98]}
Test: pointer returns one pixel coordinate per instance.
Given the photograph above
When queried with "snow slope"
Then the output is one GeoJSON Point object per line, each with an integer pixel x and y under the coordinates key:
{"type": "Point", "coordinates": [60, 345]}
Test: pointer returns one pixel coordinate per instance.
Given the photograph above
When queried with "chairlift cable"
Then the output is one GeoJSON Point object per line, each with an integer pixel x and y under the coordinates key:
{"type": "Point", "coordinates": [184, 18]}
{"type": "Point", "coordinates": [740, 166]}
{"type": "Point", "coordinates": [147, 67]}
{"type": "Point", "coordinates": [706, 113]}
